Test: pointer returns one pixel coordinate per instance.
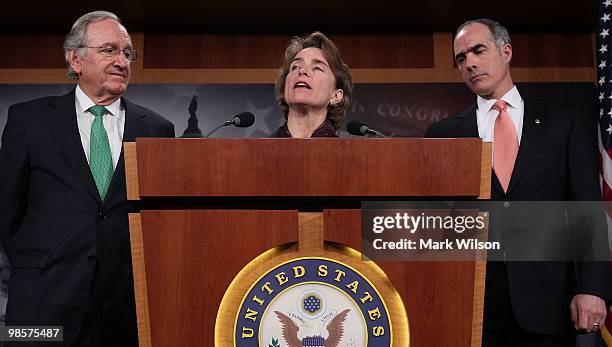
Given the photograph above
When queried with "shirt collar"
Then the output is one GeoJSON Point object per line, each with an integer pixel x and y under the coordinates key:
{"type": "Point", "coordinates": [512, 98]}
{"type": "Point", "coordinates": [84, 103]}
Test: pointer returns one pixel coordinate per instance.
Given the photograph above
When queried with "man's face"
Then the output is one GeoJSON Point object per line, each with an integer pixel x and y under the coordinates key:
{"type": "Point", "coordinates": [102, 77]}
{"type": "Point", "coordinates": [485, 68]}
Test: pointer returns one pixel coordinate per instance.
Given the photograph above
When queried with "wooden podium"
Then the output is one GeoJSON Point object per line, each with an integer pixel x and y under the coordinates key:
{"type": "Point", "coordinates": [211, 206]}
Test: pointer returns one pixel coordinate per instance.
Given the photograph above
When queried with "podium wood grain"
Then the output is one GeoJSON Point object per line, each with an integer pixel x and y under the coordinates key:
{"type": "Point", "coordinates": [191, 256]}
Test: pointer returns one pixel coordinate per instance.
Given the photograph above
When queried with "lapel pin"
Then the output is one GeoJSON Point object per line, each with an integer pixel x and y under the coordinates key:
{"type": "Point", "coordinates": [537, 121]}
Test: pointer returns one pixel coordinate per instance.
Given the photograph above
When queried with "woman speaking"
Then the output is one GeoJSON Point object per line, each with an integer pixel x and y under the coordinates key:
{"type": "Point", "coordinates": [313, 88]}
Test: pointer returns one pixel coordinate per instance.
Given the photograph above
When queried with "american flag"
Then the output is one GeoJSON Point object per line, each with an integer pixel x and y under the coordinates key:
{"type": "Point", "coordinates": [604, 84]}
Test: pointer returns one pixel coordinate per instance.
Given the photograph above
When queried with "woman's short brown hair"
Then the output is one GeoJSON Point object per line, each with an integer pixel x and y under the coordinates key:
{"type": "Point", "coordinates": [341, 72]}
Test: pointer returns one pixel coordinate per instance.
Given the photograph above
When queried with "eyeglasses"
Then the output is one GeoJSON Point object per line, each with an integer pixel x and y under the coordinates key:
{"type": "Point", "coordinates": [111, 52]}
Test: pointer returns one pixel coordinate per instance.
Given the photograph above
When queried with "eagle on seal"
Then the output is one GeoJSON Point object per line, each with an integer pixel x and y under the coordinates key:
{"type": "Point", "coordinates": [335, 328]}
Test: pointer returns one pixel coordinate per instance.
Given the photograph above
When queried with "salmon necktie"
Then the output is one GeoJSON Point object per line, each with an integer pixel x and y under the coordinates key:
{"type": "Point", "coordinates": [505, 144]}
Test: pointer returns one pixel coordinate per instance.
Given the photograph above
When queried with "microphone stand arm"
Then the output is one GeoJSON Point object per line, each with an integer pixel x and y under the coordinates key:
{"type": "Point", "coordinates": [224, 124]}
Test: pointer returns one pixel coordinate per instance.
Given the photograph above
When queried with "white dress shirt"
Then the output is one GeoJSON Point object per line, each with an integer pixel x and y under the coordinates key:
{"type": "Point", "coordinates": [114, 123]}
{"type": "Point", "coordinates": [486, 116]}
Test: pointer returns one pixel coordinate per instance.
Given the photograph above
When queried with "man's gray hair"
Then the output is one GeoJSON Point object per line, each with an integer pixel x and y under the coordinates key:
{"type": "Point", "coordinates": [499, 33]}
{"type": "Point", "coordinates": [75, 40]}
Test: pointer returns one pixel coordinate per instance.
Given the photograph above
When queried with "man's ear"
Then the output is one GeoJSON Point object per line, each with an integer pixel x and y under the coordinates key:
{"type": "Point", "coordinates": [507, 52]}
{"type": "Point", "coordinates": [75, 61]}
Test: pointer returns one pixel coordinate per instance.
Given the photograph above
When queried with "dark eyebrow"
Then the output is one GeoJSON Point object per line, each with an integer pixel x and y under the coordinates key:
{"type": "Point", "coordinates": [318, 61]}
{"type": "Point", "coordinates": [462, 54]}
{"type": "Point", "coordinates": [114, 44]}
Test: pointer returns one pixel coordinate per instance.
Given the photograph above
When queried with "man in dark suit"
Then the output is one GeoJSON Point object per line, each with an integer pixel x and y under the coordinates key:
{"type": "Point", "coordinates": [541, 153]}
{"type": "Point", "coordinates": [63, 206]}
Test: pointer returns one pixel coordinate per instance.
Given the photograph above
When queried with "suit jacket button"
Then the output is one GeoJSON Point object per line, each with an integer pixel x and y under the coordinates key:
{"type": "Point", "coordinates": [101, 214]}
{"type": "Point", "coordinates": [92, 257]}
{"type": "Point", "coordinates": [506, 204]}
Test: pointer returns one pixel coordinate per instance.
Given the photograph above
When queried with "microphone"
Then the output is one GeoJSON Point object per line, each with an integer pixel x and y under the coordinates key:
{"type": "Point", "coordinates": [241, 120]}
{"type": "Point", "coordinates": [358, 128]}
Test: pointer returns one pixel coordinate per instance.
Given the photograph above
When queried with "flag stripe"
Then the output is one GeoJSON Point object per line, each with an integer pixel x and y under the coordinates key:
{"type": "Point", "coordinates": [604, 95]}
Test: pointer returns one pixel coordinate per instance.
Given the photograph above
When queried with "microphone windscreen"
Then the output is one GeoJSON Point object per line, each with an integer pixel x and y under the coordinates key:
{"type": "Point", "coordinates": [244, 119]}
{"type": "Point", "coordinates": [356, 127]}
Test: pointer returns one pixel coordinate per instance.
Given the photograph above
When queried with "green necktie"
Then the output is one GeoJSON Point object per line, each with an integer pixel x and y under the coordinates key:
{"type": "Point", "coordinates": [100, 157]}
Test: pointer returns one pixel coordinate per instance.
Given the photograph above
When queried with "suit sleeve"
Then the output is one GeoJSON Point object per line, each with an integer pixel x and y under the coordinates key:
{"type": "Point", "coordinates": [583, 185]}
{"type": "Point", "coordinates": [170, 130]}
{"type": "Point", "coordinates": [432, 131]}
{"type": "Point", "coordinates": [14, 178]}
{"type": "Point", "coordinates": [583, 180]}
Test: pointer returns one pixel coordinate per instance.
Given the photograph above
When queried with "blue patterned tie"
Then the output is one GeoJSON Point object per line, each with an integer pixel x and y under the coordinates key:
{"type": "Point", "coordinates": [100, 157]}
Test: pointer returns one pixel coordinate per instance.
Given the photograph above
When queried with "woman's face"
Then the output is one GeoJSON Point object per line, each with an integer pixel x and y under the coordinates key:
{"type": "Point", "coordinates": [310, 81]}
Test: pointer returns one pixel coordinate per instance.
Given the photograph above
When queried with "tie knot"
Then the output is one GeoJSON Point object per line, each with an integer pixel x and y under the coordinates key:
{"type": "Point", "coordinates": [98, 110]}
{"type": "Point", "coordinates": [499, 105]}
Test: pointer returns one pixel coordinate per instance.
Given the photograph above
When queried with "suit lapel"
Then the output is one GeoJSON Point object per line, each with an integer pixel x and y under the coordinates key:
{"type": "Point", "coordinates": [63, 123]}
{"type": "Point", "coordinates": [533, 133]}
{"type": "Point", "coordinates": [134, 123]}
{"type": "Point", "coordinates": [467, 126]}
{"type": "Point", "coordinates": [470, 126]}
{"type": "Point", "coordinates": [134, 127]}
